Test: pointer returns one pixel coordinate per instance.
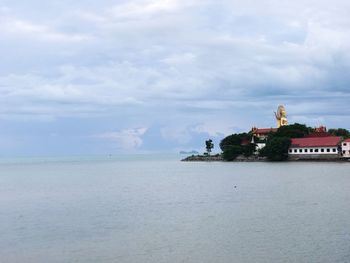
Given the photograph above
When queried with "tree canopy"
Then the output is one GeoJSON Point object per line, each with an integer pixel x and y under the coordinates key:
{"type": "Point", "coordinates": [231, 153]}
{"type": "Point", "coordinates": [237, 144]}
{"type": "Point", "coordinates": [276, 148]}
{"type": "Point", "coordinates": [340, 132]}
{"type": "Point", "coordinates": [295, 130]}
{"type": "Point", "coordinates": [233, 139]}
{"type": "Point", "coordinates": [209, 146]}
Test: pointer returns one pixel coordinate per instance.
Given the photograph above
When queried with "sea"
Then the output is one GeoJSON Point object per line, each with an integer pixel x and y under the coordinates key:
{"type": "Point", "coordinates": [155, 208]}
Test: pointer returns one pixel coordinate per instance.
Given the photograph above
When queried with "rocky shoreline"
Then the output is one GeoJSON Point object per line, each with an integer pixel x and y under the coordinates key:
{"type": "Point", "coordinates": [241, 158]}
{"type": "Point", "coordinates": [203, 158]}
{"type": "Point", "coordinates": [219, 158]}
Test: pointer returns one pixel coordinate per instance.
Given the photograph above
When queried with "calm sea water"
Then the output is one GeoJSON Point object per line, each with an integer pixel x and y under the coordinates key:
{"type": "Point", "coordinates": [149, 209]}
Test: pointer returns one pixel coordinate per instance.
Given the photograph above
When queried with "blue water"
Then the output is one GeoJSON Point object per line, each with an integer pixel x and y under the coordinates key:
{"type": "Point", "coordinates": [158, 209]}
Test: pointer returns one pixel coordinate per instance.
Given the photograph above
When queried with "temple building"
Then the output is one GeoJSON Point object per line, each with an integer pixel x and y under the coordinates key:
{"type": "Point", "coordinates": [315, 147]}
{"type": "Point", "coordinates": [262, 133]}
{"type": "Point", "coordinates": [319, 145]}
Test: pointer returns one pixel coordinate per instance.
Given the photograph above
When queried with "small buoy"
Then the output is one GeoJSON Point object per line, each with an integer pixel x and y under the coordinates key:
{"type": "Point", "coordinates": [235, 186]}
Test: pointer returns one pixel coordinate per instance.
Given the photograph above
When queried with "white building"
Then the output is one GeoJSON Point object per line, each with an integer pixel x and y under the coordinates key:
{"type": "Point", "coordinates": [261, 135]}
{"type": "Point", "coordinates": [315, 147]}
{"type": "Point", "coordinates": [345, 147]}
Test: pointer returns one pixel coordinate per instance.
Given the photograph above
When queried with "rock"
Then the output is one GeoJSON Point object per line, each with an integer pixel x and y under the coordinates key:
{"type": "Point", "coordinates": [218, 157]}
{"type": "Point", "coordinates": [203, 158]}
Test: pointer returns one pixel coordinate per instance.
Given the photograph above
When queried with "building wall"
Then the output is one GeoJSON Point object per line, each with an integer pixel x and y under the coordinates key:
{"type": "Point", "coordinates": [313, 150]}
{"type": "Point", "coordinates": [260, 145]}
{"type": "Point", "coordinates": [313, 156]}
{"type": "Point", "coordinates": [345, 146]}
{"type": "Point", "coordinates": [313, 153]}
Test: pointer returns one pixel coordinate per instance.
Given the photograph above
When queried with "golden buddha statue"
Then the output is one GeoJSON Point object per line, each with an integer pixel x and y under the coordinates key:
{"type": "Point", "coordinates": [281, 116]}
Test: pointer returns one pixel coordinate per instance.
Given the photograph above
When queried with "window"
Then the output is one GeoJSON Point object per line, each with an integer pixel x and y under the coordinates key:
{"type": "Point", "coordinates": [328, 150]}
{"type": "Point", "coordinates": [311, 150]}
{"type": "Point", "coordinates": [300, 150]}
{"type": "Point", "coordinates": [322, 150]}
{"type": "Point", "coordinates": [290, 150]}
{"type": "Point", "coordinates": [343, 152]}
{"type": "Point", "coordinates": [295, 150]}
{"type": "Point", "coordinates": [316, 150]}
{"type": "Point", "coordinates": [305, 150]}
{"type": "Point", "coordinates": [344, 144]}
{"type": "Point", "coordinates": [334, 150]}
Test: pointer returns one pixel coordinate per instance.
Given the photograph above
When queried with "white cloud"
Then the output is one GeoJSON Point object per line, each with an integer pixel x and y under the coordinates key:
{"type": "Point", "coordinates": [26, 29]}
{"type": "Point", "coordinates": [180, 134]}
{"type": "Point", "coordinates": [215, 128]}
{"type": "Point", "coordinates": [146, 8]}
{"type": "Point", "coordinates": [180, 59]}
{"type": "Point", "coordinates": [128, 139]}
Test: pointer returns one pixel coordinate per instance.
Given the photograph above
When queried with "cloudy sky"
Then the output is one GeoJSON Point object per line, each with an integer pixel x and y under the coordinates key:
{"type": "Point", "coordinates": [100, 77]}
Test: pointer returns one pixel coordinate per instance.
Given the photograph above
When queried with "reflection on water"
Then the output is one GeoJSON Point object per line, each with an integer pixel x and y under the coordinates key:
{"type": "Point", "coordinates": [147, 210]}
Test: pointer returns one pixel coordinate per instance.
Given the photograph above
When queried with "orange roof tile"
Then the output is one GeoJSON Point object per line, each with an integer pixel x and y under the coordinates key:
{"type": "Point", "coordinates": [330, 141]}
{"type": "Point", "coordinates": [263, 130]}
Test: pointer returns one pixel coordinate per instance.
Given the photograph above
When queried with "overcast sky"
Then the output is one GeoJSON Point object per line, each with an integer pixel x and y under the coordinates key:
{"type": "Point", "coordinates": [100, 77]}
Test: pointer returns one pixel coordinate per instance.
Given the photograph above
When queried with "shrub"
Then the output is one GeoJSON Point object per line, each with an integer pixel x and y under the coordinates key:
{"type": "Point", "coordinates": [232, 152]}
{"type": "Point", "coordinates": [276, 149]}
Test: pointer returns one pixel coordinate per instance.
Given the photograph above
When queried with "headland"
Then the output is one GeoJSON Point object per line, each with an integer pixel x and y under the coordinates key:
{"type": "Point", "coordinates": [286, 142]}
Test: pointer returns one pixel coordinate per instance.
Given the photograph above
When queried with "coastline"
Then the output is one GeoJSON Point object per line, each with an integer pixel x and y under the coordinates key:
{"type": "Point", "coordinates": [219, 158]}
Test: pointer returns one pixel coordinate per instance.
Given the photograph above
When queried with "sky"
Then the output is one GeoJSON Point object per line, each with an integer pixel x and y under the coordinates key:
{"type": "Point", "coordinates": [147, 76]}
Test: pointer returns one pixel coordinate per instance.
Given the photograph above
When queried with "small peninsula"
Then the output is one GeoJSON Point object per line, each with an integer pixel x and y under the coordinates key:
{"type": "Point", "coordinates": [286, 142]}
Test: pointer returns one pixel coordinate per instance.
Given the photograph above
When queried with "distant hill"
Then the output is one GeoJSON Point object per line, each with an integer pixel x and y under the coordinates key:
{"type": "Point", "coordinates": [190, 152]}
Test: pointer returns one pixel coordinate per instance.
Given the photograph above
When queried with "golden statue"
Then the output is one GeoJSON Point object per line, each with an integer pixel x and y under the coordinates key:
{"type": "Point", "coordinates": [281, 116]}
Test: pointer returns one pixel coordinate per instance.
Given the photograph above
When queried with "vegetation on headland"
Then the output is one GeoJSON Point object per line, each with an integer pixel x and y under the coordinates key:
{"type": "Point", "coordinates": [277, 144]}
{"type": "Point", "coordinates": [340, 132]}
{"type": "Point", "coordinates": [295, 130]}
{"type": "Point", "coordinates": [276, 149]}
{"type": "Point", "coordinates": [237, 144]}
{"type": "Point", "coordinates": [243, 146]}
{"type": "Point", "coordinates": [209, 145]}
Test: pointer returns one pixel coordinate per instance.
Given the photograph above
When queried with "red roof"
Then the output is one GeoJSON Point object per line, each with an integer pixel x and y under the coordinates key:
{"type": "Point", "coordinates": [318, 134]}
{"type": "Point", "coordinates": [330, 141]}
{"type": "Point", "coordinates": [347, 140]}
{"type": "Point", "coordinates": [263, 130]}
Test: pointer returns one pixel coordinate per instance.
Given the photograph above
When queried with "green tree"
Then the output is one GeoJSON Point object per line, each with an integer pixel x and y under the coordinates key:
{"type": "Point", "coordinates": [233, 139]}
{"type": "Point", "coordinates": [295, 130]}
{"type": "Point", "coordinates": [237, 144]}
{"type": "Point", "coordinates": [232, 152]}
{"type": "Point", "coordinates": [249, 149]}
{"type": "Point", "coordinates": [276, 148]}
{"type": "Point", "coordinates": [340, 132]}
{"type": "Point", "coordinates": [209, 145]}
